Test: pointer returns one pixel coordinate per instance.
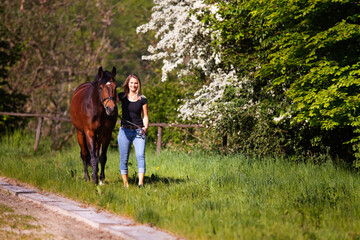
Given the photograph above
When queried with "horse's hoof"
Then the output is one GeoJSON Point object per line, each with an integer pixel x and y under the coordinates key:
{"type": "Point", "coordinates": [101, 183]}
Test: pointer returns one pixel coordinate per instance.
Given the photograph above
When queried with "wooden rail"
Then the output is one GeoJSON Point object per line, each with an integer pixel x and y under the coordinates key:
{"type": "Point", "coordinates": [161, 125]}
{"type": "Point", "coordinates": [64, 119]}
{"type": "Point", "coordinates": [35, 115]}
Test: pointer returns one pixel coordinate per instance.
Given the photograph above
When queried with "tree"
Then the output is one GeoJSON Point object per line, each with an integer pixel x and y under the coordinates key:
{"type": "Point", "coordinates": [320, 57]}
{"type": "Point", "coordinates": [185, 44]}
{"type": "Point", "coordinates": [127, 47]}
{"type": "Point", "coordinates": [289, 81]}
{"type": "Point", "coordinates": [305, 58]}
{"type": "Point", "coordinates": [65, 42]}
{"type": "Point", "coordinates": [10, 52]}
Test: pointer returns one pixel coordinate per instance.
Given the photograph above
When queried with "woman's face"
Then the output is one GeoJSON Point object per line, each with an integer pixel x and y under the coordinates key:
{"type": "Point", "coordinates": [133, 85]}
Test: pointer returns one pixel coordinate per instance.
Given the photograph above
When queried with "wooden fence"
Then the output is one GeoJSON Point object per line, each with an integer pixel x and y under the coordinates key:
{"type": "Point", "coordinates": [41, 117]}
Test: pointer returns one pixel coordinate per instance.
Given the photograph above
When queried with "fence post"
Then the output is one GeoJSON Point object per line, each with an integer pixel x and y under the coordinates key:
{"type": "Point", "coordinates": [38, 133]}
{"type": "Point", "coordinates": [225, 140]}
{"type": "Point", "coordinates": [159, 140]}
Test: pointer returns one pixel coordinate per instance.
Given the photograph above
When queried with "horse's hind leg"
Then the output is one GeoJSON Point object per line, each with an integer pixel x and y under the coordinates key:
{"type": "Point", "coordinates": [84, 153]}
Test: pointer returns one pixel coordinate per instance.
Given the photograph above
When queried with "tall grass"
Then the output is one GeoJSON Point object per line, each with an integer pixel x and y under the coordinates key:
{"type": "Point", "coordinates": [201, 195]}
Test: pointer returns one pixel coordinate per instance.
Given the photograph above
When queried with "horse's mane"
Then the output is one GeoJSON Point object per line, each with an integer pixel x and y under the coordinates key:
{"type": "Point", "coordinates": [106, 77]}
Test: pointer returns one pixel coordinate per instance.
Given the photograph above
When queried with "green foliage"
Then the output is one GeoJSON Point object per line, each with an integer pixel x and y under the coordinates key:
{"type": "Point", "coordinates": [300, 61]}
{"type": "Point", "coordinates": [62, 43]}
{"type": "Point", "coordinates": [321, 62]}
{"type": "Point", "coordinates": [65, 43]}
{"type": "Point", "coordinates": [201, 195]}
{"type": "Point", "coordinates": [164, 100]}
{"type": "Point", "coordinates": [127, 46]}
{"type": "Point", "coordinates": [163, 103]}
{"type": "Point", "coordinates": [317, 58]}
{"type": "Point", "coordinates": [11, 101]}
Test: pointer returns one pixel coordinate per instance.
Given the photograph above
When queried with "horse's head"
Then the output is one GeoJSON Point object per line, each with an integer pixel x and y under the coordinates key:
{"type": "Point", "coordinates": [107, 90]}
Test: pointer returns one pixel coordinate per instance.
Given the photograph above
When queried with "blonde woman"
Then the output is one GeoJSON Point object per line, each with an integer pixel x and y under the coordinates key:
{"type": "Point", "coordinates": [134, 125]}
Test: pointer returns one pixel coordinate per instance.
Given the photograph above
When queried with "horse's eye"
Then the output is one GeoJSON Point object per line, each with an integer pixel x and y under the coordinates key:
{"type": "Point", "coordinates": [100, 88]}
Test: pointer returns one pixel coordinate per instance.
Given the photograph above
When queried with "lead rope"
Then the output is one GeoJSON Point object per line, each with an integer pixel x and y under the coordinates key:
{"type": "Point", "coordinates": [141, 132]}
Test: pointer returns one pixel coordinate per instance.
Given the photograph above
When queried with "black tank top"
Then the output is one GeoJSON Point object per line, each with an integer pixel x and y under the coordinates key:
{"type": "Point", "coordinates": [131, 111]}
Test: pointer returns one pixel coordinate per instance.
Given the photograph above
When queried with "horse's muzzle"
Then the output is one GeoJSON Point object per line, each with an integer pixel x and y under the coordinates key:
{"type": "Point", "coordinates": [110, 106]}
{"type": "Point", "coordinates": [110, 110]}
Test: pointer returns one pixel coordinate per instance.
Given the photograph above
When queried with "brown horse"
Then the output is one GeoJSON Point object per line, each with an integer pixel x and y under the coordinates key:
{"type": "Point", "coordinates": [93, 112]}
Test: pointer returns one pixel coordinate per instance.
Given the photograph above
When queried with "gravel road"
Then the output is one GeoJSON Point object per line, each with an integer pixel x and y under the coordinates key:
{"type": "Point", "coordinates": [22, 219]}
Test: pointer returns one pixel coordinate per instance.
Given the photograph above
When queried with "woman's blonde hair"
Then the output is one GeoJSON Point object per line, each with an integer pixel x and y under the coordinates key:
{"type": "Point", "coordinates": [126, 84]}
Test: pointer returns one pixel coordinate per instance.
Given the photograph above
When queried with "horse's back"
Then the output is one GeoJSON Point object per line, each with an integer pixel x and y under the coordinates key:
{"type": "Point", "coordinates": [81, 90]}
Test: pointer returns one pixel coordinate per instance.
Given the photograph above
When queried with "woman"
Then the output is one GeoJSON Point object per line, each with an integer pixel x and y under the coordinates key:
{"type": "Point", "coordinates": [133, 127]}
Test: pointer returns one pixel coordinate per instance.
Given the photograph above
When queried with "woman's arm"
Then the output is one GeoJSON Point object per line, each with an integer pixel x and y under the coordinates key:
{"type": "Point", "coordinates": [145, 117]}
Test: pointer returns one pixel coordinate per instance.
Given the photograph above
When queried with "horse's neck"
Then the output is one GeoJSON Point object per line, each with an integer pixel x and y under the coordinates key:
{"type": "Point", "coordinates": [92, 96]}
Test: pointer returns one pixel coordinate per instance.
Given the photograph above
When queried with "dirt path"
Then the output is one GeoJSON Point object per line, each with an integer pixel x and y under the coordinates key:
{"type": "Point", "coordinates": [21, 219]}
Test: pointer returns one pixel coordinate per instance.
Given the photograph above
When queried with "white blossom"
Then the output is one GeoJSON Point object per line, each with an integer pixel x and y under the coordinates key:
{"type": "Point", "coordinates": [181, 35]}
{"type": "Point", "coordinates": [282, 116]}
{"type": "Point", "coordinates": [205, 104]}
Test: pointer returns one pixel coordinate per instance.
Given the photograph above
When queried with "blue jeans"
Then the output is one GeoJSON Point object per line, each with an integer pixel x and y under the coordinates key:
{"type": "Point", "coordinates": [125, 138]}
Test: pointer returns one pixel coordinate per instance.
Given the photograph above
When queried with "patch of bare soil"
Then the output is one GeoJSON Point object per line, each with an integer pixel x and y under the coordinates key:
{"type": "Point", "coordinates": [22, 219]}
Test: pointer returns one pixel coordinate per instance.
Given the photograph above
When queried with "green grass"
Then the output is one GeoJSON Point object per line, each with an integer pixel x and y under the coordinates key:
{"type": "Point", "coordinates": [201, 195]}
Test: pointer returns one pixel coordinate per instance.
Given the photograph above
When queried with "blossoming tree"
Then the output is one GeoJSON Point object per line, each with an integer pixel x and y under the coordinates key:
{"type": "Point", "coordinates": [184, 44]}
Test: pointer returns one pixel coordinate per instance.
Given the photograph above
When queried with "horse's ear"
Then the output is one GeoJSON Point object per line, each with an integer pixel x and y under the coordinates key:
{"type": "Point", "coordinates": [113, 71]}
{"type": "Point", "coordinates": [100, 72]}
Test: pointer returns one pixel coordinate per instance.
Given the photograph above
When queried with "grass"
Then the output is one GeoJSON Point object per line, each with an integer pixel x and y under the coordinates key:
{"type": "Point", "coordinates": [201, 195]}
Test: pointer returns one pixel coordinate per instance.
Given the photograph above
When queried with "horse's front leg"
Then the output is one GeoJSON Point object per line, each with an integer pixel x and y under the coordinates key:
{"type": "Point", "coordinates": [91, 144]}
{"type": "Point", "coordinates": [103, 159]}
